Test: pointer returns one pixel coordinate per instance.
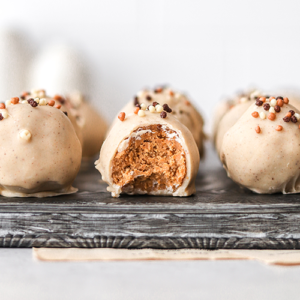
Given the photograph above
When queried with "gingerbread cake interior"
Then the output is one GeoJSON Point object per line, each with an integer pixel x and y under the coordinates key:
{"type": "Point", "coordinates": [150, 160]}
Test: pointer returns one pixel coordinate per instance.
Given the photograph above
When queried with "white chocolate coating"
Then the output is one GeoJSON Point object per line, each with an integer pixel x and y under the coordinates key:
{"type": "Point", "coordinates": [226, 106]}
{"type": "Point", "coordinates": [228, 120]}
{"type": "Point", "coordinates": [181, 107]}
{"type": "Point", "coordinates": [93, 125]}
{"type": "Point", "coordinates": [123, 130]}
{"type": "Point", "coordinates": [266, 162]}
{"type": "Point", "coordinates": [46, 163]}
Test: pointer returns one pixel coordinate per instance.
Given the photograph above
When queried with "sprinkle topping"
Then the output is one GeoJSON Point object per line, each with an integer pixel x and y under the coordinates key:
{"type": "Point", "coordinates": [25, 134]}
{"type": "Point", "coordinates": [121, 116]}
{"type": "Point", "coordinates": [257, 129]}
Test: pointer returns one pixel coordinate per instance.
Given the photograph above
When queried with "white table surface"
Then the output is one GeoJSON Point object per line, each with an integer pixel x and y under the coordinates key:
{"type": "Point", "coordinates": [22, 277]}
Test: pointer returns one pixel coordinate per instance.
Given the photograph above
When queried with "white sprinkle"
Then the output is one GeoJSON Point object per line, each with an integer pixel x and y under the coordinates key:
{"type": "Point", "coordinates": [272, 110]}
{"type": "Point", "coordinates": [43, 101]}
{"type": "Point", "coordinates": [262, 115]}
{"type": "Point", "coordinates": [273, 102]}
{"type": "Point", "coordinates": [152, 108]}
{"type": "Point", "coordinates": [7, 103]}
{"type": "Point", "coordinates": [25, 134]}
{"type": "Point", "coordinates": [141, 113]}
{"type": "Point", "coordinates": [297, 116]}
{"type": "Point", "coordinates": [159, 108]}
{"type": "Point", "coordinates": [4, 113]}
{"type": "Point", "coordinates": [24, 101]}
{"type": "Point", "coordinates": [37, 100]}
{"type": "Point", "coordinates": [41, 94]}
{"type": "Point", "coordinates": [243, 99]}
{"type": "Point", "coordinates": [140, 93]}
{"type": "Point", "coordinates": [254, 94]}
{"type": "Point", "coordinates": [143, 106]}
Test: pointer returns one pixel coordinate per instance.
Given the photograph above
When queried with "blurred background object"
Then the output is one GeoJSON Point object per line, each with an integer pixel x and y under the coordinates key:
{"type": "Point", "coordinates": [14, 62]}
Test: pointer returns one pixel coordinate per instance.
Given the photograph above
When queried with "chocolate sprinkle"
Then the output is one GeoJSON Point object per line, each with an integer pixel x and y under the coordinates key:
{"type": "Point", "coordinates": [167, 108]}
{"type": "Point", "coordinates": [277, 108]}
{"type": "Point", "coordinates": [163, 114]}
{"type": "Point", "coordinates": [32, 102]}
{"type": "Point", "coordinates": [66, 113]}
{"type": "Point", "coordinates": [136, 101]}
{"type": "Point", "coordinates": [292, 112]}
{"type": "Point", "coordinates": [155, 103]}
{"type": "Point", "coordinates": [286, 119]}
{"type": "Point", "coordinates": [266, 106]}
{"type": "Point", "coordinates": [149, 98]}
{"type": "Point", "coordinates": [137, 105]}
{"type": "Point", "coordinates": [294, 119]}
{"type": "Point", "coordinates": [259, 103]}
{"type": "Point", "coordinates": [279, 98]}
{"type": "Point", "coordinates": [1, 117]}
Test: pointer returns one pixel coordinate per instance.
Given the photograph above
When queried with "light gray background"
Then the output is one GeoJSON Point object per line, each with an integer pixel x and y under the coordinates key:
{"type": "Point", "coordinates": [23, 278]}
{"type": "Point", "coordinates": [207, 48]}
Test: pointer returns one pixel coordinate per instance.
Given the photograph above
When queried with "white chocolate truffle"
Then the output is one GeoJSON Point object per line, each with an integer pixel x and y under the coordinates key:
{"type": "Point", "coordinates": [245, 99]}
{"type": "Point", "coordinates": [262, 155]}
{"type": "Point", "coordinates": [93, 125]}
{"type": "Point", "coordinates": [228, 120]}
{"type": "Point", "coordinates": [149, 155]}
{"type": "Point", "coordinates": [181, 106]}
{"type": "Point", "coordinates": [59, 101]}
{"type": "Point", "coordinates": [41, 153]}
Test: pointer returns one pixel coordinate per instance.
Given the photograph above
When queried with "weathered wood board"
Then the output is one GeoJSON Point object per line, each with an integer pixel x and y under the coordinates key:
{"type": "Point", "coordinates": [220, 216]}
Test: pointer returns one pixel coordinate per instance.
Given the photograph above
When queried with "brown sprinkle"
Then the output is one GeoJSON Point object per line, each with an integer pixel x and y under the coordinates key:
{"type": "Point", "coordinates": [271, 116]}
{"type": "Point", "coordinates": [277, 108]}
{"type": "Point", "coordinates": [286, 119]}
{"type": "Point", "coordinates": [51, 102]}
{"type": "Point", "coordinates": [25, 93]}
{"type": "Point", "coordinates": [255, 114]}
{"type": "Point", "coordinates": [136, 110]}
{"type": "Point", "coordinates": [292, 112]}
{"type": "Point", "coordinates": [280, 102]}
{"type": "Point", "coordinates": [136, 101]}
{"type": "Point", "coordinates": [14, 100]}
{"type": "Point", "coordinates": [66, 113]}
{"type": "Point", "coordinates": [58, 106]}
{"type": "Point", "coordinates": [1, 117]}
{"type": "Point", "coordinates": [278, 128]}
{"type": "Point", "coordinates": [121, 116]}
{"type": "Point", "coordinates": [59, 98]}
{"type": "Point", "coordinates": [2, 105]}
{"type": "Point", "coordinates": [158, 90]}
{"type": "Point", "coordinates": [289, 114]}
{"type": "Point", "coordinates": [163, 114]}
{"type": "Point", "coordinates": [154, 103]}
{"type": "Point", "coordinates": [149, 98]}
{"type": "Point", "coordinates": [257, 129]}
{"type": "Point", "coordinates": [286, 100]}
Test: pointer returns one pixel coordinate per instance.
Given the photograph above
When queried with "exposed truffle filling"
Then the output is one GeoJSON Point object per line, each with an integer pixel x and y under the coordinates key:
{"type": "Point", "coordinates": [151, 159]}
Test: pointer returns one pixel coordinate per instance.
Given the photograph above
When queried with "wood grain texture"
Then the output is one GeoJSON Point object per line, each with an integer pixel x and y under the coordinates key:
{"type": "Point", "coordinates": [220, 216]}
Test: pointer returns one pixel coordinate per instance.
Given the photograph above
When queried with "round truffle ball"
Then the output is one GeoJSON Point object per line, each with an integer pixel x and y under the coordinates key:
{"type": "Point", "coordinates": [182, 108]}
{"type": "Point", "coordinates": [260, 151]}
{"type": "Point", "coordinates": [40, 151]}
